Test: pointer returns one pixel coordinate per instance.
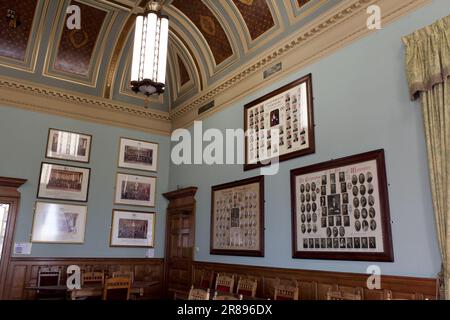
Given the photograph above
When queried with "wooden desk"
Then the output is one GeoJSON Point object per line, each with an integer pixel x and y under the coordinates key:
{"type": "Point", "coordinates": [49, 292]}
{"type": "Point", "coordinates": [47, 288]}
{"type": "Point", "coordinates": [137, 290]}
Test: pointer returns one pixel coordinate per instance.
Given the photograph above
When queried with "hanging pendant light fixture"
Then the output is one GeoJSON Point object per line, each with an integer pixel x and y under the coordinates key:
{"type": "Point", "coordinates": [148, 71]}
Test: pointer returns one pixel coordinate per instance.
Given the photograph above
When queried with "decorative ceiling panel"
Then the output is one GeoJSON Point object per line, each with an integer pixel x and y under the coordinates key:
{"type": "Point", "coordinates": [209, 26]}
{"type": "Point", "coordinates": [77, 46]}
{"type": "Point", "coordinates": [211, 43]}
{"type": "Point", "coordinates": [15, 27]}
{"type": "Point", "coordinates": [184, 75]}
{"type": "Point", "coordinates": [76, 55]}
{"type": "Point", "coordinates": [257, 16]}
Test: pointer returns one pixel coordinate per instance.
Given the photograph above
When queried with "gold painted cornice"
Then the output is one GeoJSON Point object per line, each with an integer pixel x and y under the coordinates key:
{"type": "Point", "coordinates": [84, 107]}
{"type": "Point", "coordinates": [338, 28]}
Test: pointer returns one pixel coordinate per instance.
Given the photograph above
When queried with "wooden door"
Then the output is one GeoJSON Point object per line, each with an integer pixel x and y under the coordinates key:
{"type": "Point", "coordinates": [9, 203]}
{"type": "Point", "coordinates": [180, 242]}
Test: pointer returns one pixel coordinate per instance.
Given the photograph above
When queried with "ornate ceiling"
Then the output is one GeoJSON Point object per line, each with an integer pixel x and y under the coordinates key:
{"type": "Point", "coordinates": [209, 41]}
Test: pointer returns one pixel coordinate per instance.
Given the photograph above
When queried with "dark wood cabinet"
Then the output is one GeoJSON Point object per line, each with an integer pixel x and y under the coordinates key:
{"type": "Point", "coordinates": [180, 241]}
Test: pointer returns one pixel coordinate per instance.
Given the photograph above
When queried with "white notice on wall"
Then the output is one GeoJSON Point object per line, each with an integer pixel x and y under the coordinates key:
{"type": "Point", "coordinates": [23, 248]}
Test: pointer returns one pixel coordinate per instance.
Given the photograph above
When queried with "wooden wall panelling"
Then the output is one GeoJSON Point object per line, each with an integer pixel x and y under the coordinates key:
{"type": "Point", "coordinates": [314, 285]}
{"type": "Point", "coordinates": [23, 273]}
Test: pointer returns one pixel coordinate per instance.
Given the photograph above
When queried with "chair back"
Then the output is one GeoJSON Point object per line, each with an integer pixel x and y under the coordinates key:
{"type": "Point", "coordinates": [218, 296]}
{"type": "Point", "coordinates": [388, 295]}
{"type": "Point", "coordinates": [341, 295]}
{"type": "Point", "coordinates": [49, 276]}
{"type": "Point", "coordinates": [93, 277]}
{"type": "Point", "coordinates": [124, 274]}
{"type": "Point", "coordinates": [198, 294]}
{"type": "Point", "coordinates": [286, 292]}
{"type": "Point", "coordinates": [206, 279]}
{"type": "Point", "coordinates": [117, 289]}
{"type": "Point", "coordinates": [224, 283]}
{"type": "Point", "coordinates": [247, 287]}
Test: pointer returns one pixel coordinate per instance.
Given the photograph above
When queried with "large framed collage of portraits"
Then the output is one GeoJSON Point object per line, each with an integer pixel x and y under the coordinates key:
{"type": "Point", "coordinates": [340, 210]}
{"type": "Point", "coordinates": [237, 218]}
{"type": "Point", "coordinates": [280, 124]}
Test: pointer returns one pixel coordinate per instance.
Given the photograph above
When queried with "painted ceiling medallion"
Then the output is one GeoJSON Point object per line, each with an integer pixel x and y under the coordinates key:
{"type": "Point", "coordinates": [13, 21]}
{"type": "Point", "coordinates": [208, 25]}
{"type": "Point", "coordinates": [247, 2]}
{"type": "Point", "coordinates": [78, 38]}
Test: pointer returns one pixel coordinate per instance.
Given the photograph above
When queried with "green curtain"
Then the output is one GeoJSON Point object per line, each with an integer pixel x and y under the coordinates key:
{"type": "Point", "coordinates": [428, 71]}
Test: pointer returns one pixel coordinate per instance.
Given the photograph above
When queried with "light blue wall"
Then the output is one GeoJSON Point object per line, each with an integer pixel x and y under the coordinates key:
{"type": "Point", "coordinates": [23, 138]}
{"type": "Point", "coordinates": [361, 104]}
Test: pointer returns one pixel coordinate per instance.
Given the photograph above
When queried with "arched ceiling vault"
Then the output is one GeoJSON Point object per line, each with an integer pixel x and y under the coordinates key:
{"type": "Point", "coordinates": [209, 41]}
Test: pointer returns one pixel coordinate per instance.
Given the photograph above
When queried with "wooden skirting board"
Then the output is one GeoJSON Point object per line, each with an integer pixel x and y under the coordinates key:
{"type": "Point", "coordinates": [313, 285]}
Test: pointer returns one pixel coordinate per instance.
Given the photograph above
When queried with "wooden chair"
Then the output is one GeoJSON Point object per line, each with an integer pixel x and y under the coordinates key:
{"type": "Point", "coordinates": [93, 278]}
{"type": "Point", "coordinates": [198, 294]}
{"type": "Point", "coordinates": [227, 297]}
{"type": "Point", "coordinates": [117, 289]}
{"type": "Point", "coordinates": [124, 274]}
{"type": "Point", "coordinates": [247, 286]}
{"type": "Point", "coordinates": [206, 279]}
{"type": "Point", "coordinates": [388, 295]}
{"type": "Point", "coordinates": [49, 277]}
{"type": "Point", "coordinates": [341, 295]}
{"type": "Point", "coordinates": [286, 292]}
{"type": "Point", "coordinates": [224, 283]}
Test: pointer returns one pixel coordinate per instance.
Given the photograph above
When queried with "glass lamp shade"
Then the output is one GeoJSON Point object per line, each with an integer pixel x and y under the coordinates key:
{"type": "Point", "coordinates": [148, 71]}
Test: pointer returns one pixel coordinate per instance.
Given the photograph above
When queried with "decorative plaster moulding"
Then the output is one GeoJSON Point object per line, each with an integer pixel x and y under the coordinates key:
{"type": "Point", "coordinates": [335, 29]}
{"type": "Point", "coordinates": [83, 107]}
{"type": "Point", "coordinates": [342, 26]}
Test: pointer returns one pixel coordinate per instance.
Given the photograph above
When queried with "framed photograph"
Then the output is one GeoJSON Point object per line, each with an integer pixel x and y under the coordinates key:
{"type": "Point", "coordinates": [135, 190]}
{"type": "Point", "coordinates": [132, 229]}
{"type": "Point", "coordinates": [138, 155]}
{"type": "Point", "coordinates": [71, 146]}
{"type": "Point", "coordinates": [340, 210]}
{"type": "Point", "coordinates": [60, 182]}
{"type": "Point", "coordinates": [280, 124]}
{"type": "Point", "coordinates": [59, 223]}
{"type": "Point", "coordinates": [237, 218]}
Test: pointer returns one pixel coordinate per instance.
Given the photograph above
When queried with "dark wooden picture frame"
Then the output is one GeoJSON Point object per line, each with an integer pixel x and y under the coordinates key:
{"type": "Point", "coordinates": [62, 198]}
{"type": "Point", "coordinates": [113, 235]}
{"type": "Point", "coordinates": [135, 203]}
{"type": "Point", "coordinates": [379, 191]}
{"type": "Point", "coordinates": [311, 148]}
{"type": "Point", "coordinates": [68, 158]}
{"type": "Point", "coordinates": [154, 146]}
{"type": "Point", "coordinates": [257, 252]}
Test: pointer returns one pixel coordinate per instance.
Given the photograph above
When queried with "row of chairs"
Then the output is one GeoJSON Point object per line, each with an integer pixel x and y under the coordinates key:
{"type": "Point", "coordinates": [247, 286]}
{"type": "Point", "coordinates": [202, 294]}
{"type": "Point", "coordinates": [116, 287]}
